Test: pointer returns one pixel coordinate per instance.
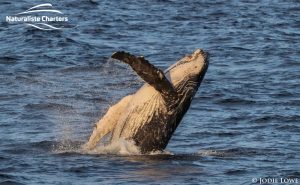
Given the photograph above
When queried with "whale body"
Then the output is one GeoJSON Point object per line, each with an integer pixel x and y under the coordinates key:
{"type": "Point", "coordinates": [150, 116]}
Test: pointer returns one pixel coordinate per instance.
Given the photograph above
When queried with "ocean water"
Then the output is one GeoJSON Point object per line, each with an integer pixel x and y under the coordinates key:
{"type": "Point", "coordinates": [243, 124]}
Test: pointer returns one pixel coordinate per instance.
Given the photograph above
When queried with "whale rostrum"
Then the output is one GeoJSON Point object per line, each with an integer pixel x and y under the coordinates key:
{"type": "Point", "coordinates": [150, 116]}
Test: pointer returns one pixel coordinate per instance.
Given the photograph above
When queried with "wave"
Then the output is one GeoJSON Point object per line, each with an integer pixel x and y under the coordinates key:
{"type": "Point", "coordinates": [7, 182]}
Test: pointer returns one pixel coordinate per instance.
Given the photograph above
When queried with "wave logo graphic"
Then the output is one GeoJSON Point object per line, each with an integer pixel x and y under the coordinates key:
{"type": "Point", "coordinates": [42, 22]}
{"type": "Point", "coordinates": [32, 9]}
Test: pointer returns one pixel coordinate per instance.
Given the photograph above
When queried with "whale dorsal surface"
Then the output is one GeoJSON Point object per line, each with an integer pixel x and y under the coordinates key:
{"type": "Point", "coordinates": [150, 116]}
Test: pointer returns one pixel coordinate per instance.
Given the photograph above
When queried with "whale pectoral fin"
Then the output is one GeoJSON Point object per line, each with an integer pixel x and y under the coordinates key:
{"type": "Point", "coordinates": [149, 73]}
{"type": "Point", "coordinates": [107, 122]}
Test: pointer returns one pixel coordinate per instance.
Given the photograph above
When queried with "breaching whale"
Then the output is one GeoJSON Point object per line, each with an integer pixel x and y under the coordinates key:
{"type": "Point", "coordinates": [150, 116]}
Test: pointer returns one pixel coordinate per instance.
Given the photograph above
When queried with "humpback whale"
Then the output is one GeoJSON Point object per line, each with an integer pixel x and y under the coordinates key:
{"type": "Point", "coordinates": [150, 116]}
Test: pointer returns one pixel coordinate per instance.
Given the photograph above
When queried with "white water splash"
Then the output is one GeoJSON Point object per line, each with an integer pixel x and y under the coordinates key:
{"type": "Point", "coordinates": [205, 153]}
{"type": "Point", "coordinates": [164, 152]}
{"type": "Point", "coordinates": [121, 147]}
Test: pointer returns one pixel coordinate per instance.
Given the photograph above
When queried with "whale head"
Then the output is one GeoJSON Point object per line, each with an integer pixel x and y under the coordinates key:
{"type": "Point", "coordinates": [188, 72]}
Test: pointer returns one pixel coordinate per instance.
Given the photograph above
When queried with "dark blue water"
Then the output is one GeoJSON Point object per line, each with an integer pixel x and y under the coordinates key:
{"type": "Point", "coordinates": [243, 122]}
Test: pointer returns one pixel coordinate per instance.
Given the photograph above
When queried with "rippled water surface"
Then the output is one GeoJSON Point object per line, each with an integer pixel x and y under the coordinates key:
{"type": "Point", "coordinates": [242, 124]}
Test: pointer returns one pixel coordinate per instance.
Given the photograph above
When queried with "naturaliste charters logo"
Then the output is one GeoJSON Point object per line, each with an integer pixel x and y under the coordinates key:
{"type": "Point", "coordinates": [42, 22]}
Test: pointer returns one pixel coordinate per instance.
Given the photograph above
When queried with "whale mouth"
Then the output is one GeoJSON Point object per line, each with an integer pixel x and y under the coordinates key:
{"type": "Point", "coordinates": [188, 58]}
{"type": "Point", "coordinates": [199, 52]}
